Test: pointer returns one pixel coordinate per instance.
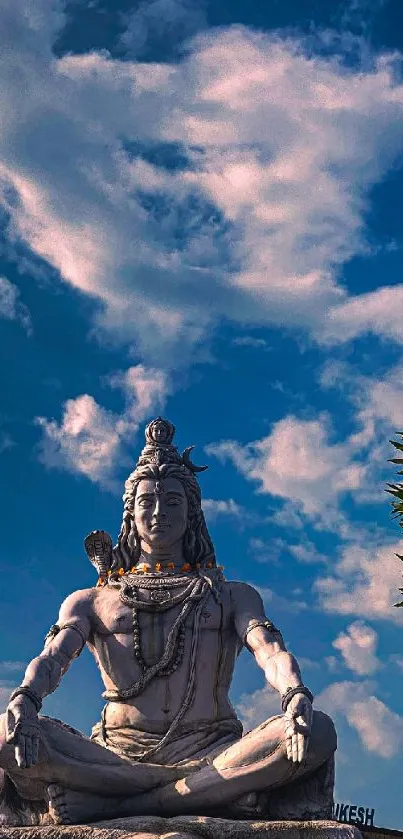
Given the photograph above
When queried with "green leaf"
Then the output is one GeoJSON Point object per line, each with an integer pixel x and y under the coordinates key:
{"type": "Point", "coordinates": [396, 489]}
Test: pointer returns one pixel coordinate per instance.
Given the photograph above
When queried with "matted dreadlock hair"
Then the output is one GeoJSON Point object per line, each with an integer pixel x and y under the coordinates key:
{"type": "Point", "coordinates": [197, 544]}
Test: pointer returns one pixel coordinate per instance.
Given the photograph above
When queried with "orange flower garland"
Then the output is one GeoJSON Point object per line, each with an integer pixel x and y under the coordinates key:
{"type": "Point", "coordinates": [145, 568]}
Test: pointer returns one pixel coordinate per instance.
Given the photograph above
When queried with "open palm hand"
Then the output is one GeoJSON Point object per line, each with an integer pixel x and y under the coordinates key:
{"type": "Point", "coordinates": [23, 731]}
{"type": "Point", "coordinates": [297, 726]}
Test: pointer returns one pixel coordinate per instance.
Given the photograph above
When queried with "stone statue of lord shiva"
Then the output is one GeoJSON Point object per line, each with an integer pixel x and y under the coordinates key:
{"type": "Point", "coordinates": [165, 628]}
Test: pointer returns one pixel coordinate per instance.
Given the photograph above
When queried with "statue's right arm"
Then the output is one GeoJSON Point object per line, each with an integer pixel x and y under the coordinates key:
{"type": "Point", "coordinates": [65, 643]}
{"type": "Point", "coordinates": [43, 674]}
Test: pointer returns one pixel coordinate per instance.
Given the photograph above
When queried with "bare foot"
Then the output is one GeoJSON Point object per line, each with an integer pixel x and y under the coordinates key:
{"type": "Point", "coordinates": [67, 806]}
{"type": "Point", "coordinates": [250, 806]}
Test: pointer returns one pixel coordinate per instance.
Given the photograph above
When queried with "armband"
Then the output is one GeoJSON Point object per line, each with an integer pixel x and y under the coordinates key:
{"type": "Point", "coordinates": [56, 628]}
{"type": "Point", "coordinates": [53, 631]}
{"type": "Point", "coordinates": [77, 629]}
{"type": "Point", "coordinates": [265, 624]}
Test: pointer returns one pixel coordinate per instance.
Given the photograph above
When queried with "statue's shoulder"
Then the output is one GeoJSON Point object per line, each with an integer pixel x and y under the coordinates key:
{"type": "Point", "coordinates": [78, 604]}
{"type": "Point", "coordinates": [238, 587]}
{"type": "Point", "coordinates": [243, 594]}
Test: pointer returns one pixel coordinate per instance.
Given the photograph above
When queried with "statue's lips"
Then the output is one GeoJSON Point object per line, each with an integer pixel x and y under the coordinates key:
{"type": "Point", "coordinates": [156, 527]}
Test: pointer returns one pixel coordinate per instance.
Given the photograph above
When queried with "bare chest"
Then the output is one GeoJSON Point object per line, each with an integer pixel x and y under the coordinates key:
{"type": "Point", "coordinates": [115, 617]}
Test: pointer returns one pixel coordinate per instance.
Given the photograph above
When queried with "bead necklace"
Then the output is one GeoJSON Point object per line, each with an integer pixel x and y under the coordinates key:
{"type": "Point", "coordinates": [172, 656]}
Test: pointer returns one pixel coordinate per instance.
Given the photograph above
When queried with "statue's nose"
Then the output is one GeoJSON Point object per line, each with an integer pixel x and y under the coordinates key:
{"type": "Point", "coordinates": [159, 513]}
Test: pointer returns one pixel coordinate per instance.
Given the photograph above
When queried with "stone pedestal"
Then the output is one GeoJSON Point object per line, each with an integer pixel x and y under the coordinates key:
{"type": "Point", "coordinates": [186, 827]}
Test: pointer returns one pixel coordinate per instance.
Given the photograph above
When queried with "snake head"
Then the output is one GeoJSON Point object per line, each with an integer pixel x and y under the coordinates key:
{"type": "Point", "coordinates": [98, 546]}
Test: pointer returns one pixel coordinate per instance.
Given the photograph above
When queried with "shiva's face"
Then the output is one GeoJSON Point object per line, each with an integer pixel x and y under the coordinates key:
{"type": "Point", "coordinates": [161, 512]}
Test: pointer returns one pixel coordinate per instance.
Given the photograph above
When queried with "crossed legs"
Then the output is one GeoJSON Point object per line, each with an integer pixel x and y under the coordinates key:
{"type": "Point", "coordinates": [256, 762]}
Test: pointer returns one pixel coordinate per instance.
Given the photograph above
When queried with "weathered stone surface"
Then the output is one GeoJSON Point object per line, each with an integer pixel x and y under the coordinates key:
{"type": "Point", "coordinates": [187, 827]}
{"type": "Point", "coordinates": [167, 690]}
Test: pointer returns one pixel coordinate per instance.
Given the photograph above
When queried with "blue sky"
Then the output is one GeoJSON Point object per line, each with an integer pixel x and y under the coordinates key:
{"type": "Point", "coordinates": [201, 218]}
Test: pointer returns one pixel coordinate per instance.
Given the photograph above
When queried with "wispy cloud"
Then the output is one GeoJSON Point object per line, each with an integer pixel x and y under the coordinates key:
{"type": "Point", "coordinates": [379, 729]}
{"type": "Point", "coordinates": [160, 24]}
{"type": "Point", "coordinates": [297, 462]}
{"type": "Point", "coordinates": [11, 307]}
{"type": "Point", "coordinates": [254, 708]}
{"type": "Point", "coordinates": [6, 442]}
{"type": "Point", "coordinates": [266, 217]}
{"type": "Point", "coordinates": [372, 312]}
{"type": "Point", "coordinates": [11, 667]}
{"type": "Point", "coordinates": [307, 552]}
{"type": "Point", "coordinates": [376, 402]}
{"type": "Point", "coordinates": [213, 508]}
{"type": "Point", "coordinates": [251, 341]}
{"type": "Point", "coordinates": [364, 583]}
{"type": "Point", "coordinates": [10, 674]}
{"type": "Point", "coordinates": [357, 646]}
{"type": "Point", "coordinates": [88, 440]}
{"type": "Point", "coordinates": [276, 603]}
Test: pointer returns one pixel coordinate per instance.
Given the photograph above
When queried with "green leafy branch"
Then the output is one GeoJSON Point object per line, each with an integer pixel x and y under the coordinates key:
{"type": "Point", "coordinates": [397, 491]}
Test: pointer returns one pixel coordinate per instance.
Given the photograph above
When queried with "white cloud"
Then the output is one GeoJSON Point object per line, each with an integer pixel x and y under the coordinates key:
{"type": "Point", "coordinates": [397, 659]}
{"type": "Point", "coordinates": [364, 583]}
{"type": "Point", "coordinates": [10, 671]}
{"type": "Point", "coordinates": [379, 729]}
{"type": "Point", "coordinates": [12, 666]}
{"type": "Point", "coordinates": [277, 548]}
{"type": "Point", "coordinates": [156, 20]}
{"type": "Point", "coordinates": [287, 517]}
{"type": "Point", "coordinates": [333, 664]}
{"type": "Point", "coordinates": [145, 390]}
{"type": "Point", "coordinates": [6, 442]}
{"type": "Point", "coordinates": [251, 341]}
{"type": "Point", "coordinates": [277, 603]}
{"type": "Point", "coordinates": [297, 462]}
{"type": "Point", "coordinates": [358, 648]}
{"type": "Point", "coordinates": [308, 664]}
{"type": "Point", "coordinates": [278, 149]}
{"type": "Point", "coordinates": [376, 312]}
{"type": "Point", "coordinates": [270, 551]}
{"type": "Point", "coordinates": [5, 693]}
{"type": "Point", "coordinates": [307, 552]}
{"type": "Point", "coordinates": [89, 438]}
{"type": "Point", "coordinates": [11, 307]}
{"type": "Point", "coordinates": [377, 402]}
{"type": "Point", "coordinates": [85, 442]}
{"type": "Point", "coordinates": [222, 507]}
{"type": "Point", "coordinates": [255, 708]}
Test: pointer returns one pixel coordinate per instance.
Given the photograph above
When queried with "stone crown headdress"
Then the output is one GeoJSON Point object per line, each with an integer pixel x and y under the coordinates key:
{"type": "Point", "coordinates": [159, 448]}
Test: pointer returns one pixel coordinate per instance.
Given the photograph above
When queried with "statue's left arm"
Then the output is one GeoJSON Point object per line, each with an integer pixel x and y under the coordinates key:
{"type": "Point", "coordinates": [280, 667]}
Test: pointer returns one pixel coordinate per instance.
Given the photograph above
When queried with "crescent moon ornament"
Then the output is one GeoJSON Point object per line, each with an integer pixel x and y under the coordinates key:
{"type": "Point", "coordinates": [187, 461]}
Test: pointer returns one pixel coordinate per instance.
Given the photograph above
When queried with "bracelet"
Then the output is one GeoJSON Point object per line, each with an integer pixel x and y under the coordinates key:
{"type": "Point", "coordinates": [26, 691]}
{"type": "Point", "coordinates": [290, 692]}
